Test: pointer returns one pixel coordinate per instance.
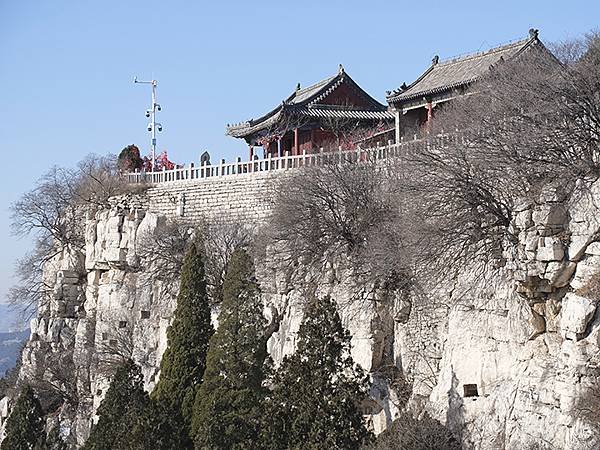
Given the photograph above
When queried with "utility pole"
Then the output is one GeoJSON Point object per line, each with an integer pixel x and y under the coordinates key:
{"type": "Point", "coordinates": [153, 126]}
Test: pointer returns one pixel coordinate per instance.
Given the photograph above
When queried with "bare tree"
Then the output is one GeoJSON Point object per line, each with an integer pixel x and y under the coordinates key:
{"type": "Point", "coordinates": [335, 213]}
{"type": "Point", "coordinates": [52, 213]}
{"type": "Point", "coordinates": [221, 240]}
{"type": "Point", "coordinates": [162, 250]}
{"type": "Point", "coordinates": [31, 287]}
{"type": "Point", "coordinates": [55, 382]}
{"type": "Point", "coordinates": [411, 433]}
{"type": "Point", "coordinates": [114, 350]}
{"type": "Point", "coordinates": [533, 120]}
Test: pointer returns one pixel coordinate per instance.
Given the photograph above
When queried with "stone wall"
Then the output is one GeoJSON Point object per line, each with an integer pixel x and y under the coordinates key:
{"type": "Point", "coordinates": [244, 198]}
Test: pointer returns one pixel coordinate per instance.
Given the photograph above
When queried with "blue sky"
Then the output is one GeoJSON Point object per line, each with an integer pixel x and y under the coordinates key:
{"type": "Point", "coordinates": [66, 68]}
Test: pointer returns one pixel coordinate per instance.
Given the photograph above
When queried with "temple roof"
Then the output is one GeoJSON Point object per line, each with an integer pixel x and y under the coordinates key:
{"type": "Point", "coordinates": [306, 102]}
{"type": "Point", "coordinates": [458, 72]}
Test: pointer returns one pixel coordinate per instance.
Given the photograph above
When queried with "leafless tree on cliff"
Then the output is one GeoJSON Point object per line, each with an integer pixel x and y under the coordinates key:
{"type": "Point", "coordinates": [532, 120]}
{"type": "Point", "coordinates": [411, 433]}
{"type": "Point", "coordinates": [221, 240]}
{"type": "Point", "coordinates": [116, 348]}
{"type": "Point", "coordinates": [52, 213]}
{"type": "Point", "coordinates": [162, 251]}
{"type": "Point", "coordinates": [335, 213]}
{"type": "Point", "coordinates": [56, 384]}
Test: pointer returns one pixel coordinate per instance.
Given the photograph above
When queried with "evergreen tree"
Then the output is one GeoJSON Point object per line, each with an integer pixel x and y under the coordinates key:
{"type": "Point", "coordinates": [120, 410]}
{"type": "Point", "coordinates": [159, 428]}
{"type": "Point", "coordinates": [317, 390]}
{"type": "Point", "coordinates": [54, 441]}
{"type": "Point", "coordinates": [182, 365]}
{"type": "Point", "coordinates": [229, 402]}
{"type": "Point", "coordinates": [25, 426]}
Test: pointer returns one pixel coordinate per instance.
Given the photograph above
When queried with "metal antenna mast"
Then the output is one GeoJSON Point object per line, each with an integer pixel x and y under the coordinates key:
{"type": "Point", "coordinates": [153, 126]}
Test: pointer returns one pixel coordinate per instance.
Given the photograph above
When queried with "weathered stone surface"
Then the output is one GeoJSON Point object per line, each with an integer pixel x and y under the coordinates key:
{"type": "Point", "coordinates": [551, 249]}
{"type": "Point", "coordinates": [523, 334]}
{"type": "Point", "coordinates": [576, 313]}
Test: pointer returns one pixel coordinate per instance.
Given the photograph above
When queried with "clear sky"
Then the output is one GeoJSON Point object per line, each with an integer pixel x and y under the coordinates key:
{"type": "Point", "coordinates": [66, 68]}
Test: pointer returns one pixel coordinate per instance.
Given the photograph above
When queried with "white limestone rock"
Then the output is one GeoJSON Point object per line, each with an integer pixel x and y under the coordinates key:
{"type": "Point", "coordinates": [576, 313]}
{"type": "Point", "coordinates": [550, 249]}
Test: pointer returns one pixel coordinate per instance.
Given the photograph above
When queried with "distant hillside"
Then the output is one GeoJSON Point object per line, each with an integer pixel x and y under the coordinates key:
{"type": "Point", "coordinates": [9, 319]}
{"type": "Point", "coordinates": [10, 345]}
{"type": "Point", "coordinates": [13, 334]}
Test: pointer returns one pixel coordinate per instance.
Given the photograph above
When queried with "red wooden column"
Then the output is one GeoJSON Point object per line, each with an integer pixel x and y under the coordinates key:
{"type": "Point", "coordinates": [296, 152]}
{"type": "Point", "coordinates": [429, 115]}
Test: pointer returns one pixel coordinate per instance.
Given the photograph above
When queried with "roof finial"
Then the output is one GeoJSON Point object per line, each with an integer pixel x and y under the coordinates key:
{"type": "Point", "coordinates": [341, 69]}
{"type": "Point", "coordinates": [404, 86]}
{"type": "Point", "coordinates": [533, 33]}
{"type": "Point", "coordinates": [435, 60]}
{"type": "Point", "coordinates": [298, 87]}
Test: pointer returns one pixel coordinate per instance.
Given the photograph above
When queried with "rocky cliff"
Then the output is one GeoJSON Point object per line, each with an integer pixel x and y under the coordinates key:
{"type": "Point", "coordinates": [506, 352]}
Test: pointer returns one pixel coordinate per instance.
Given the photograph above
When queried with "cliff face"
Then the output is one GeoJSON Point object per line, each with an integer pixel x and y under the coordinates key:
{"type": "Point", "coordinates": [508, 352]}
{"type": "Point", "coordinates": [525, 337]}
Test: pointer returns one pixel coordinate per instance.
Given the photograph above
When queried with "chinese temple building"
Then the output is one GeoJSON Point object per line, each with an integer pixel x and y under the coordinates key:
{"type": "Point", "coordinates": [335, 112]}
{"type": "Point", "coordinates": [414, 105]}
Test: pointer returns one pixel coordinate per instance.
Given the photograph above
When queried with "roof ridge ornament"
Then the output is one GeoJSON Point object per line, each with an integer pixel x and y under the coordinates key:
{"type": "Point", "coordinates": [298, 87]}
{"type": "Point", "coordinates": [341, 69]}
{"type": "Point", "coordinates": [435, 60]}
{"type": "Point", "coordinates": [533, 33]}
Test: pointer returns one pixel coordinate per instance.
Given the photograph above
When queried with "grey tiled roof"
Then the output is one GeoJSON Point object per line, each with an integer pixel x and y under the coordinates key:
{"type": "Point", "coordinates": [442, 76]}
{"type": "Point", "coordinates": [346, 113]}
{"type": "Point", "coordinates": [306, 93]}
{"type": "Point", "coordinates": [305, 102]}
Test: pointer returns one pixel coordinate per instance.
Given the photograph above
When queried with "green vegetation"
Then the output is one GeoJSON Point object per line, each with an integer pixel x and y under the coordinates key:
{"type": "Point", "coordinates": [182, 366]}
{"type": "Point", "coordinates": [54, 441]}
{"type": "Point", "coordinates": [229, 402]}
{"type": "Point", "coordinates": [314, 403]}
{"type": "Point", "coordinates": [25, 426]}
{"type": "Point", "coordinates": [159, 428]}
{"type": "Point", "coordinates": [124, 403]}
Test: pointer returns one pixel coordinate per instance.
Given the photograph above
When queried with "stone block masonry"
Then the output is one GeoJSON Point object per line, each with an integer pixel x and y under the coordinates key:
{"type": "Point", "coordinates": [244, 199]}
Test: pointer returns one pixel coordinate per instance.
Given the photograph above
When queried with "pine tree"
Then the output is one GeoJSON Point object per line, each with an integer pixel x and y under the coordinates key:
{"type": "Point", "coordinates": [25, 426]}
{"type": "Point", "coordinates": [317, 390]}
{"type": "Point", "coordinates": [229, 401]}
{"type": "Point", "coordinates": [159, 428]}
{"type": "Point", "coordinates": [54, 441]}
{"type": "Point", "coordinates": [124, 404]}
{"type": "Point", "coordinates": [182, 365]}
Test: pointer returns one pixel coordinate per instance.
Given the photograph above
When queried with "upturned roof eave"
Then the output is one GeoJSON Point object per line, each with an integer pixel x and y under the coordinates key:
{"type": "Point", "coordinates": [252, 126]}
{"type": "Point", "coordinates": [405, 96]}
